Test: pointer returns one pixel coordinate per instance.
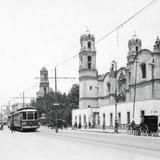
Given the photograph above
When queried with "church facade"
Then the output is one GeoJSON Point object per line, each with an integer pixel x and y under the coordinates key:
{"type": "Point", "coordinates": [124, 94]}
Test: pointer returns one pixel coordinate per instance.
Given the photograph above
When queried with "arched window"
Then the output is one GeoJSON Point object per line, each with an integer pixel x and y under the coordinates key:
{"type": "Point", "coordinates": [81, 59]}
{"type": "Point", "coordinates": [84, 118]}
{"type": "Point", "coordinates": [136, 48]}
{"type": "Point", "coordinates": [89, 44]}
{"type": "Point", "coordinates": [45, 90]}
{"type": "Point", "coordinates": [143, 69]}
{"type": "Point", "coordinates": [89, 62]}
{"type": "Point", "coordinates": [45, 77]}
{"type": "Point", "coordinates": [120, 87]}
{"type": "Point", "coordinates": [108, 87]}
{"type": "Point", "coordinates": [79, 118]}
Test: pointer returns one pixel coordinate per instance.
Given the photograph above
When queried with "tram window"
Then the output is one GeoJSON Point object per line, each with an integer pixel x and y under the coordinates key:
{"type": "Point", "coordinates": [35, 115]}
{"type": "Point", "coordinates": [24, 115]}
{"type": "Point", "coordinates": [30, 115]}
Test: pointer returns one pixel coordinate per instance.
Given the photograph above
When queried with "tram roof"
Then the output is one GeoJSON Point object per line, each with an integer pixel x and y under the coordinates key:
{"type": "Point", "coordinates": [26, 108]}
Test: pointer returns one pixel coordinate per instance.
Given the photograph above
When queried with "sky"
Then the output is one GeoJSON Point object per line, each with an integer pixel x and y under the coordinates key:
{"type": "Point", "coordinates": [37, 33]}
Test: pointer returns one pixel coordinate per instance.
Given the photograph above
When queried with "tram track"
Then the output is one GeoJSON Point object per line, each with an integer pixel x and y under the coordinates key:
{"type": "Point", "coordinates": [114, 142]}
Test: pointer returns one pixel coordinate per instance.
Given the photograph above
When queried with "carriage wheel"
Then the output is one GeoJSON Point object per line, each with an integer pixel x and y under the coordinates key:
{"type": "Point", "coordinates": [150, 133]}
{"type": "Point", "coordinates": [155, 134]}
{"type": "Point", "coordinates": [144, 130]}
{"type": "Point", "coordinates": [139, 132]}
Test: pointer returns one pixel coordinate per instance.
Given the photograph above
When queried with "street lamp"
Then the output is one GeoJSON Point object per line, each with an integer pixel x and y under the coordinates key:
{"type": "Point", "coordinates": [56, 105]}
{"type": "Point", "coordinates": [56, 122]}
{"type": "Point", "coordinates": [43, 116]}
{"type": "Point", "coordinates": [114, 68]}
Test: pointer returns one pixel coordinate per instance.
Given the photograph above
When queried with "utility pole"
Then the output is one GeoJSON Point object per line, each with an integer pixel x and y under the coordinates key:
{"type": "Point", "coordinates": [55, 80]}
{"type": "Point", "coordinates": [114, 69]}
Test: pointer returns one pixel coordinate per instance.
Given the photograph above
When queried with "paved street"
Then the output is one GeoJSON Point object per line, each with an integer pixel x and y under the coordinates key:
{"type": "Point", "coordinates": [45, 144]}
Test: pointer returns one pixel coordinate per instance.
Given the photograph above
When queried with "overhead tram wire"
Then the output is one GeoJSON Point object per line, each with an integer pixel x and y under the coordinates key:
{"type": "Point", "coordinates": [115, 29]}
{"type": "Point", "coordinates": [126, 21]}
{"type": "Point", "coordinates": [105, 36]}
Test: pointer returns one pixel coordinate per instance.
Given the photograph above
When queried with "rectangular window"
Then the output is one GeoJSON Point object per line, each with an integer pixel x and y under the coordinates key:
{"type": "Point", "coordinates": [98, 118]}
{"type": "Point", "coordinates": [30, 115]}
{"type": "Point", "coordinates": [111, 119]}
{"type": "Point", "coordinates": [104, 118]}
{"type": "Point", "coordinates": [79, 118]}
{"type": "Point", "coordinates": [84, 118]}
{"type": "Point", "coordinates": [35, 115]}
{"type": "Point", "coordinates": [24, 115]}
{"type": "Point", "coordinates": [89, 62]}
{"type": "Point", "coordinates": [119, 118]}
{"type": "Point", "coordinates": [128, 117]}
{"type": "Point", "coordinates": [142, 114]}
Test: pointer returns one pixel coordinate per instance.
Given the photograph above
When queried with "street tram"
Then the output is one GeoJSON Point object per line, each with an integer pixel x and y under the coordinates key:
{"type": "Point", "coordinates": [24, 119]}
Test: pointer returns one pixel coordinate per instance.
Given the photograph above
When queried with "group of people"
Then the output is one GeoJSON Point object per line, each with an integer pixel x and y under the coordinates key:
{"type": "Point", "coordinates": [79, 126]}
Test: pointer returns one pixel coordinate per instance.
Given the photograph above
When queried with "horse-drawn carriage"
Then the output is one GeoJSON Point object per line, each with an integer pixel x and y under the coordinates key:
{"type": "Point", "coordinates": [149, 126]}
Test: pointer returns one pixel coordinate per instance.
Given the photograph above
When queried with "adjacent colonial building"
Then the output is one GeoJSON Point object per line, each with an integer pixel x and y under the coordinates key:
{"type": "Point", "coordinates": [124, 94]}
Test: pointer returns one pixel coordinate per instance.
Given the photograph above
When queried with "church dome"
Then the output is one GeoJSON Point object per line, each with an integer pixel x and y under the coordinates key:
{"type": "Point", "coordinates": [87, 36]}
{"type": "Point", "coordinates": [134, 41]}
{"type": "Point", "coordinates": [157, 45]}
{"type": "Point", "coordinates": [134, 37]}
{"type": "Point", "coordinates": [44, 69]}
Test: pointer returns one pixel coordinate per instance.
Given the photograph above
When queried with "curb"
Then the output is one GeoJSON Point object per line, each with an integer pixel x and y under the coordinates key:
{"type": "Point", "coordinates": [98, 131]}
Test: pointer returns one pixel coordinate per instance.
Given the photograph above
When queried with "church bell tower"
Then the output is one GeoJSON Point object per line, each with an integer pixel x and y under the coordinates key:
{"type": "Point", "coordinates": [88, 75]}
{"type": "Point", "coordinates": [44, 83]}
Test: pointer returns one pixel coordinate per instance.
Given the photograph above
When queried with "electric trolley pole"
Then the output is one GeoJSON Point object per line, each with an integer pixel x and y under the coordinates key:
{"type": "Point", "coordinates": [23, 99]}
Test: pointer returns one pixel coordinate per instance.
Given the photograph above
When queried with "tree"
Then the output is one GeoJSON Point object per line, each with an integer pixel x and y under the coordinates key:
{"type": "Point", "coordinates": [45, 105]}
{"type": "Point", "coordinates": [73, 102]}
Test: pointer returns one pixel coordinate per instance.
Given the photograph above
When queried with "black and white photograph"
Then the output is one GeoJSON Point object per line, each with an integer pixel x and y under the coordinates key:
{"type": "Point", "coordinates": [79, 79]}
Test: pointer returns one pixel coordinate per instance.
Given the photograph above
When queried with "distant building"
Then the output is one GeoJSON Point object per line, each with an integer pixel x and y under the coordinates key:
{"type": "Point", "coordinates": [16, 106]}
{"type": "Point", "coordinates": [97, 92]}
{"type": "Point", "coordinates": [44, 83]}
{"type": "Point", "coordinates": [4, 113]}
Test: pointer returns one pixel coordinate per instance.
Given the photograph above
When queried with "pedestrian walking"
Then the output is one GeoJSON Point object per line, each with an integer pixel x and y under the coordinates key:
{"type": "Point", "coordinates": [56, 127]}
{"type": "Point", "coordinates": [1, 127]}
{"type": "Point", "coordinates": [12, 127]}
{"type": "Point", "coordinates": [89, 125]}
{"type": "Point", "coordinates": [85, 125]}
{"type": "Point", "coordinates": [79, 126]}
{"type": "Point", "coordinates": [128, 125]}
{"type": "Point", "coordinates": [103, 126]}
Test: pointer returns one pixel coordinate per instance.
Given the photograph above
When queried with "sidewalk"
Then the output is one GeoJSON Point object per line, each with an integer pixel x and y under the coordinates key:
{"type": "Point", "coordinates": [107, 130]}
